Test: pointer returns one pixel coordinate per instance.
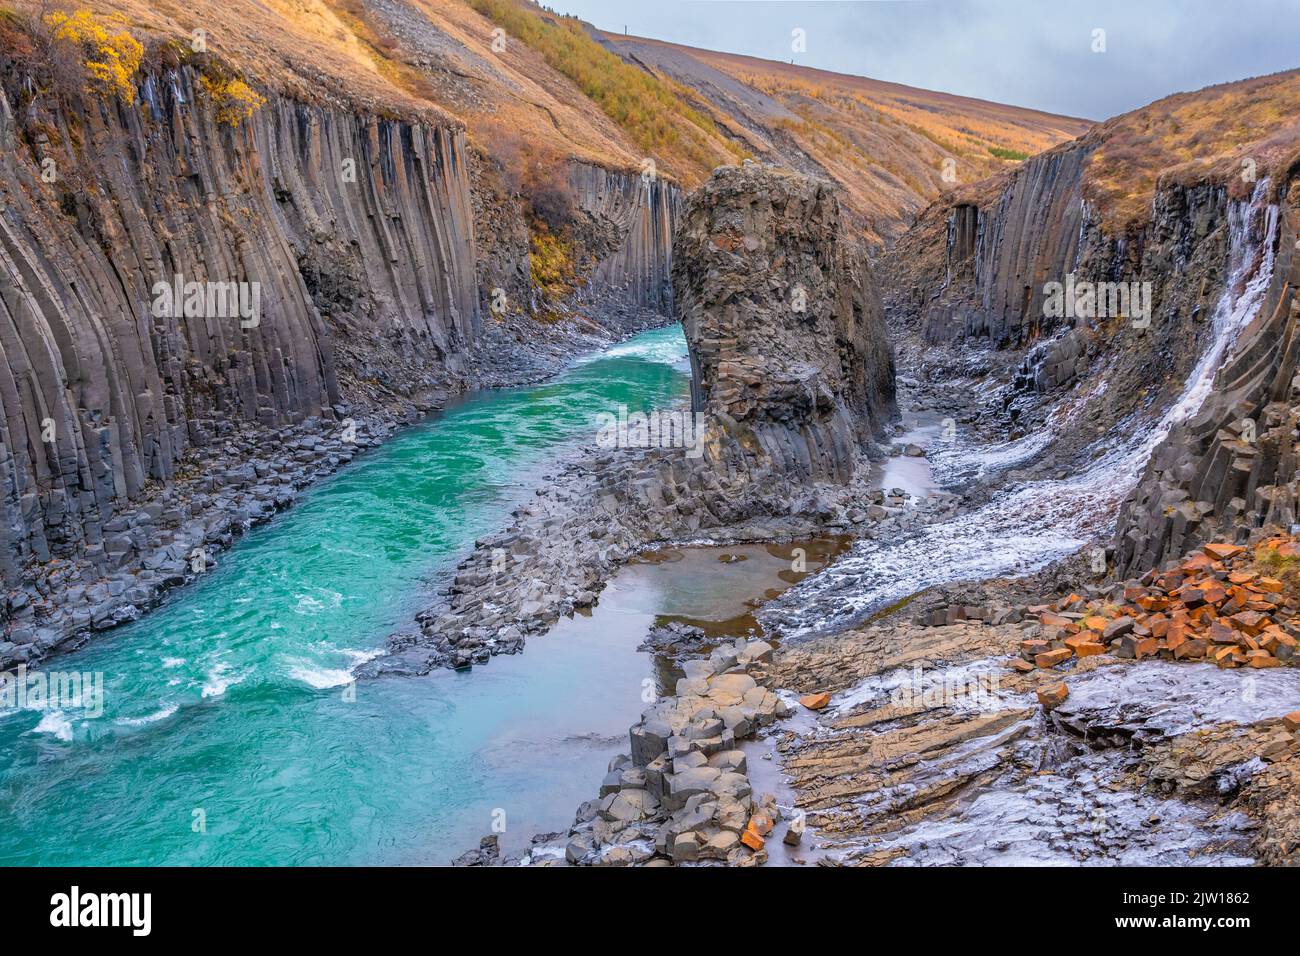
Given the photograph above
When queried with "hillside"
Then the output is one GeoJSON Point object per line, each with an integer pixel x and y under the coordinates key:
{"type": "Point", "coordinates": [887, 145]}
{"type": "Point", "coordinates": [534, 90]}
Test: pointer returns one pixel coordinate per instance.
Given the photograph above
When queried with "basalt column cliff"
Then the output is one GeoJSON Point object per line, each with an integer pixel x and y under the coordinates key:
{"type": "Point", "coordinates": [790, 362]}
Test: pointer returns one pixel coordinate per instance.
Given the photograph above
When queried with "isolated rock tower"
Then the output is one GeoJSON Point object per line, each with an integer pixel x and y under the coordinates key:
{"type": "Point", "coordinates": [789, 356]}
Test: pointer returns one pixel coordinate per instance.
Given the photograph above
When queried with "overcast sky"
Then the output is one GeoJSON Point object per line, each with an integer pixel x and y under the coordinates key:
{"type": "Point", "coordinates": [1036, 53]}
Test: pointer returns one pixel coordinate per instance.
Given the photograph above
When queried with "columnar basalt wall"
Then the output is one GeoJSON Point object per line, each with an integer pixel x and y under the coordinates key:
{"type": "Point", "coordinates": [791, 365]}
{"type": "Point", "coordinates": [643, 211]}
{"type": "Point", "coordinates": [1008, 249]}
{"type": "Point", "coordinates": [353, 233]}
{"type": "Point", "coordinates": [1233, 467]}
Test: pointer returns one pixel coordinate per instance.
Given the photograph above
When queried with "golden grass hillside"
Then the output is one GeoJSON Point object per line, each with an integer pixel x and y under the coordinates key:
{"type": "Point", "coordinates": [892, 148]}
{"type": "Point", "coordinates": [534, 89]}
{"type": "Point", "coordinates": [1236, 133]}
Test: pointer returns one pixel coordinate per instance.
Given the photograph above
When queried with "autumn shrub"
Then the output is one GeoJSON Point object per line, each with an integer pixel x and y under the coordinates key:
{"type": "Point", "coordinates": [550, 259]}
{"type": "Point", "coordinates": [537, 174]}
{"type": "Point", "coordinates": [110, 58]}
{"type": "Point", "coordinates": [233, 100]}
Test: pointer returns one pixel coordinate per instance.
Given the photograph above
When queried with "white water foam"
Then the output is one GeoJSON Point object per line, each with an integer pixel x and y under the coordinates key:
{"type": "Point", "coordinates": [663, 349]}
{"type": "Point", "coordinates": [56, 723]}
{"type": "Point", "coordinates": [153, 718]}
{"type": "Point", "coordinates": [1023, 530]}
{"type": "Point", "coordinates": [320, 677]}
{"type": "Point", "coordinates": [219, 680]}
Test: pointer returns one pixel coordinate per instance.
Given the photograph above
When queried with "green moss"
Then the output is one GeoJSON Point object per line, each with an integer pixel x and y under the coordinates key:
{"type": "Point", "coordinates": [550, 259]}
{"type": "Point", "coordinates": [1014, 154]}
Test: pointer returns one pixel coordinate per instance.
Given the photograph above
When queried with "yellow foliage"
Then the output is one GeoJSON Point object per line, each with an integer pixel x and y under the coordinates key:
{"type": "Point", "coordinates": [1238, 127]}
{"type": "Point", "coordinates": [112, 59]}
{"type": "Point", "coordinates": [551, 261]}
{"type": "Point", "coordinates": [655, 112]}
{"type": "Point", "coordinates": [235, 100]}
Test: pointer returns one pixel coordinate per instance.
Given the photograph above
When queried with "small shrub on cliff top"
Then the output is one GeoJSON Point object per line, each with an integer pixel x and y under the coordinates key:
{"type": "Point", "coordinates": [110, 59]}
{"type": "Point", "coordinates": [233, 99]}
{"type": "Point", "coordinates": [1002, 153]}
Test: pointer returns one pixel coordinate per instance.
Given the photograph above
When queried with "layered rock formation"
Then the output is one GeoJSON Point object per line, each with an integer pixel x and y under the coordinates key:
{"type": "Point", "coordinates": [1233, 467]}
{"type": "Point", "coordinates": [347, 237]}
{"type": "Point", "coordinates": [790, 363]}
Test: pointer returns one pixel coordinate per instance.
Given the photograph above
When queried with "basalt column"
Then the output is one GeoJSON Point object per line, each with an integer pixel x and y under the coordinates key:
{"type": "Point", "coordinates": [791, 366]}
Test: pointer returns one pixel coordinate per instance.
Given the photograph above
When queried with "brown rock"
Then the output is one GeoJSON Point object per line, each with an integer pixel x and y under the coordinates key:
{"type": "Point", "coordinates": [1053, 695]}
{"type": "Point", "coordinates": [1222, 550]}
{"type": "Point", "coordinates": [1052, 658]}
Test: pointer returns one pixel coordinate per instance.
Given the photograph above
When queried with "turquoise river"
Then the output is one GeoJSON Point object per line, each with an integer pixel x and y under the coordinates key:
{"type": "Point", "coordinates": [231, 732]}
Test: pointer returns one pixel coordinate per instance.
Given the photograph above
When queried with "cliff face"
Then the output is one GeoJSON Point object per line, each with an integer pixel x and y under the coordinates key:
{"type": "Point", "coordinates": [643, 213]}
{"type": "Point", "coordinates": [972, 288]}
{"type": "Point", "coordinates": [359, 275]}
{"type": "Point", "coordinates": [1233, 467]}
{"type": "Point", "coordinates": [341, 248]}
{"type": "Point", "coordinates": [979, 282]}
{"type": "Point", "coordinates": [791, 364]}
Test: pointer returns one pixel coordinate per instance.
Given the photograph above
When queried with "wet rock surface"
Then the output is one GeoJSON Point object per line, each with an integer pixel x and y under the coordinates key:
{"type": "Point", "coordinates": [1232, 468]}
{"type": "Point", "coordinates": [954, 763]}
{"type": "Point", "coordinates": [682, 794]}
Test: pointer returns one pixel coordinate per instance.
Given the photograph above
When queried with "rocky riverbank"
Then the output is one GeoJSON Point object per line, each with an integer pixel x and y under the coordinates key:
{"type": "Point", "coordinates": [248, 474]}
{"type": "Point", "coordinates": [790, 393]}
{"type": "Point", "coordinates": [934, 749]}
{"type": "Point", "coordinates": [682, 793]}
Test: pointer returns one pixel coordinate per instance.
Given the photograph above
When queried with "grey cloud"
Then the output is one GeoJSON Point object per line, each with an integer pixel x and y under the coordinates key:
{"type": "Point", "coordinates": [1034, 53]}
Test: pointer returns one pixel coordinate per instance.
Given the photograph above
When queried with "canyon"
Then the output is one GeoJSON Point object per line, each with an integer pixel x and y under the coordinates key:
{"type": "Point", "coordinates": [418, 201]}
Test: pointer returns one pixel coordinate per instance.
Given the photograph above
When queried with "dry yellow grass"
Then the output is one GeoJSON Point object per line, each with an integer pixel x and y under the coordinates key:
{"type": "Point", "coordinates": [559, 91]}
{"type": "Point", "coordinates": [1236, 133]}
{"type": "Point", "coordinates": [892, 148]}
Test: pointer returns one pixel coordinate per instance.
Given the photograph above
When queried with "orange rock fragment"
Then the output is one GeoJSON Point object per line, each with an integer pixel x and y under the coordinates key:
{"type": "Point", "coordinates": [1053, 695]}
{"type": "Point", "coordinates": [1052, 658]}
{"type": "Point", "coordinates": [1262, 659]}
{"type": "Point", "coordinates": [1221, 551]}
{"type": "Point", "coordinates": [815, 701]}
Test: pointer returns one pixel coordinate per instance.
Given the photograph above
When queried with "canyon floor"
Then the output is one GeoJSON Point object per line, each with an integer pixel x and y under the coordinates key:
{"type": "Point", "coordinates": [921, 736]}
